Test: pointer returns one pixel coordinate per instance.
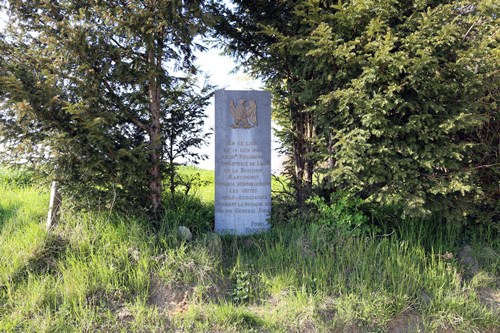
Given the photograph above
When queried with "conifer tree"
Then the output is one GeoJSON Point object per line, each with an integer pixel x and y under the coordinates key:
{"type": "Point", "coordinates": [262, 36]}
{"type": "Point", "coordinates": [395, 101]}
{"type": "Point", "coordinates": [418, 86]}
{"type": "Point", "coordinates": [183, 127]}
{"type": "Point", "coordinates": [87, 81]}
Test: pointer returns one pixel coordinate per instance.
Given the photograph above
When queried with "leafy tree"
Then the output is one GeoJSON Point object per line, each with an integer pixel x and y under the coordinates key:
{"type": "Point", "coordinates": [86, 81]}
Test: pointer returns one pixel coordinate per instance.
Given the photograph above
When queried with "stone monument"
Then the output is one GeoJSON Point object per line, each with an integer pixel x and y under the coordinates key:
{"type": "Point", "coordinates": [242, 161]}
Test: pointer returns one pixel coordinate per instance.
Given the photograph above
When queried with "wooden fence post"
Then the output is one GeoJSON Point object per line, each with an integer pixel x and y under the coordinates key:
{"type": "Point", "coordinates": [54, 205]}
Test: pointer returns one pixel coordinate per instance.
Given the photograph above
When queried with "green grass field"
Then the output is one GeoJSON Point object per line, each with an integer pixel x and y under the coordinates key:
{"type": "Point", "coordinates": [99, 271]}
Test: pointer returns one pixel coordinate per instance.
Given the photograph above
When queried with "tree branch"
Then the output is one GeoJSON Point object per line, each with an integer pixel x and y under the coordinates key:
{"type": "Point", "coordinates": [124, 109]}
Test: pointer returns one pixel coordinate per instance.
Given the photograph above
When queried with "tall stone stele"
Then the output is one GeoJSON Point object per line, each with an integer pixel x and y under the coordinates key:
{"type": "Point", "coordinates": [242, 162]}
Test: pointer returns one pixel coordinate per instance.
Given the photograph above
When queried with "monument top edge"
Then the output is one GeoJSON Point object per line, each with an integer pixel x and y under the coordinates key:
{"type": "Point", "coordinates": [242, 91]}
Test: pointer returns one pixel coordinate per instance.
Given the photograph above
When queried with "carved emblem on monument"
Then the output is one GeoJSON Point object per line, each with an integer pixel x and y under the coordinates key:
{"type": "Point", "coordinates": [244, 114]}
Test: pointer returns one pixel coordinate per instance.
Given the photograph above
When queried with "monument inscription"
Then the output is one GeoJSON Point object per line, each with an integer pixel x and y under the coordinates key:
{"type": "Point", "coordinates": [242, 161]}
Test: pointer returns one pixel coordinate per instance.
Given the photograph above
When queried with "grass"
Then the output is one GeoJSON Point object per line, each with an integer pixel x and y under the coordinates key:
{"type": "Point", "coordinates": [101, 271]}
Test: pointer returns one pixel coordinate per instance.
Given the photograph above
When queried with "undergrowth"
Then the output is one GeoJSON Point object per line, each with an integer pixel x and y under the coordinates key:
{"type": "Point", "coordinates": [102, 271]}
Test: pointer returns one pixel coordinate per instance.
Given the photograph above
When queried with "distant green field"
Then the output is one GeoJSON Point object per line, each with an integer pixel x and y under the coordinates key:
{"type": "Point", "coordinates": [203, 182]}
{"type": "Point", "coordinates": [99, 271]}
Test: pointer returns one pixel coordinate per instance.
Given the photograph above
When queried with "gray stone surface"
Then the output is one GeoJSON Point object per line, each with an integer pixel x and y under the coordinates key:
{"type": "Point", "coordinates": [185, 233]}
{"type": "Point", "coordinates": [242, 161]}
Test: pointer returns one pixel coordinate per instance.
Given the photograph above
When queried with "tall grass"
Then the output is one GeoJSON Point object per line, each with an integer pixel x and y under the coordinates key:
{"type": "Point", "coordinates": [102, 271]}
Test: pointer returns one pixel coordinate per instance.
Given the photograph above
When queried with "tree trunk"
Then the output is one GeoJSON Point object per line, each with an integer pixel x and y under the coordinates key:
{"type": "Point", "coordinates": [298, 153]}
{"type": "Point", "coordinates": [310, 162]}
{"type": "Point", "coordinates": [303, 149]}
{"type": "Point", "coordinates": [155, 133]}
{"type": "Point", "coordinates": [54, 205]}
{"type": "Point", "coordinates": [172, 175]}
{"type": "Point", "coordinates": [330, 148]}
{"type": "Point", "coordinates": [155, 182]}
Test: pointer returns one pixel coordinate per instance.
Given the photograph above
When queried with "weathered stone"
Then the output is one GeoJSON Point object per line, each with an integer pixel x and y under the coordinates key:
{"type": "Point", "coordinates": [242, 161]}
{"type": "Point", "coordinates": [185, 233]}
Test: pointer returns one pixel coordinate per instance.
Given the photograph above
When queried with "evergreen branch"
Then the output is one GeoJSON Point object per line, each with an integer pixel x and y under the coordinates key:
{"type": "Point", "coordinates": [129, 50]}
{"type": "Point", "coordinates": [118, 44]}
{"type": "Point", "coordinates": [124, 109]}
{"type": "Point", "coordinates": [283, 187]}
{"type": "Point", "coordinates": [471, 27]}
{"type": "Point", "coordinates": [447, 174]}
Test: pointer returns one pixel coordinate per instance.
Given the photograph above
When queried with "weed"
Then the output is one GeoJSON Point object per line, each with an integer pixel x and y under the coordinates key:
{"type": "Point", "coordinates": [342, 214]}
{"type": "Point", "coordinates": [241, 288]}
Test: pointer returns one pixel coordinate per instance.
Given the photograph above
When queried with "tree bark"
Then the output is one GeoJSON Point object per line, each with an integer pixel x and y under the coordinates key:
{"type": "Point", "coordinates": [310, 162]}
{"type": "Point", "coordinates": [155, 133]}
{"type": "Point", "coordinates": [303, 149]}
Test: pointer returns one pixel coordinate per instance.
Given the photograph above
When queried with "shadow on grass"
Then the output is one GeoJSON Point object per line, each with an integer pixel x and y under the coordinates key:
{"type": "Point", "coordinates": [44, 259]}
{"type": "Point", "coordinates": [189, 211]}
{"type": "Point", "coordinates": [7, 213]}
